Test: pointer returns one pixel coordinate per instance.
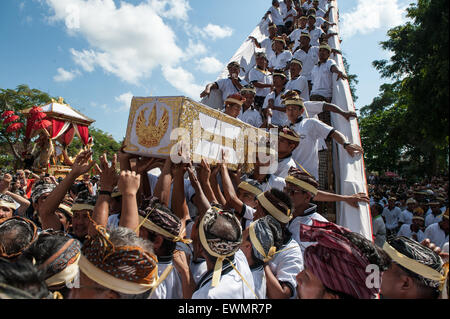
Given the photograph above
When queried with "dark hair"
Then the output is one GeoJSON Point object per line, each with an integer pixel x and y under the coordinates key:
{"type": "Point", "coordinates": [45, 246]}
{"type": "Point", "coordinates": [378, 207]}
{"type": "Point", "coordinates": [374, 254]}
{"type": "Point", "coordinates": [282, 196]}
{"type": "Point", "coordinates": [423, 255]}
{"type": "Point", "coordinates": [15, 235]}
{"type": "Point", "coordinates": [22, 275]}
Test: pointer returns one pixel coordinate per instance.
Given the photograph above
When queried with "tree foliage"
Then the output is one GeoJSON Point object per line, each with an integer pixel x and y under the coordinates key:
{"type": "Point", "coordinates": [103, 143]}
{"type": "Point", "coordinates": [406, 127]}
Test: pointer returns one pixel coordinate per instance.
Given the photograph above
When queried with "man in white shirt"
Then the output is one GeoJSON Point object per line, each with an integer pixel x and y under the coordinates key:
{"type": "Point", "coordinates": [249, 114]}
{"type": "Point", "coordinates": [261, 78]}
{"type": "Point", "coordinates": [307, 5]}
{"type": "Point", "coordinates": [298, 83]}
{"type": "Point", "coordinates": [281, 58]}
{"type": "Point", "coordinates": [319, 11]}
{"type": "Point", "coordinates": [314, 31]}
{"type": "Point", "coordinates": [289, 14]}
{"type": "Point", "coordinates": [273, 100]}
{"type": "Point", "coordinates": [232, 84]}
{"type": "Point", "coordinates": [436, 214]}
{"type": "Point", "coordinates": [288, 141]}
{"type": "Point", "coordinates": [220, 236]}
{"type": "Point", "coordinates": [259, 242]}
{"type": "Point", "coordinates": [302, 188]}
{"type": "Point", "coordinates": [284, 267]}
{"type": "Point", "coordinates": [266, 44]}
{"type": "Point", "coordinates": [378, 225]}
{"type": "Point", "coordinates": [276, 15]}
{"type": "Point", "coordinates": [391, 213]}
{"type": "Point", "coordinates": [322, 76]}
{"type": "Point", "coordinates": [308, 54]}
{"type": "Point", "coordinates": [437, 233]}
{"type": "Point", "coordinates": [311, 130]}
{"type": "Point", "coordinates": [233, 105]}
{"type": "Point", "coordinates": [408, 214]}
{"type": "Point", "coordinates": [413, 230]}
{"type": "Point", "coordinates": [295, 34]}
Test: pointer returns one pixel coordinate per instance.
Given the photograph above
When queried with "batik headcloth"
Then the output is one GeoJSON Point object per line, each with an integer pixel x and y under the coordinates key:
{"type": "Point", "coordinates": [335, 260]}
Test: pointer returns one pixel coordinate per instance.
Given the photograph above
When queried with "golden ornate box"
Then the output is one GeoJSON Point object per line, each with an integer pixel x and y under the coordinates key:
{"type": "Point", "coordinates": [157, 124]}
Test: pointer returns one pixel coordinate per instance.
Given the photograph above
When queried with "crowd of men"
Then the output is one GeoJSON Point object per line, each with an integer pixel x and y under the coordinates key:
{"type": "Point", "coordinates": [146, 228]}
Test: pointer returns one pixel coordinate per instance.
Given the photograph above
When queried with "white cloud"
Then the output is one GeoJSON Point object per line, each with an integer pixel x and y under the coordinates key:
{"type": "Point", "coordinates": [217, 32]}
{"type": "Point", "coordinates": [172, 9]}
{"type": "Point", "coordinates": [124, 101]}
{"type": "Point", "coordinates": [182, 80]}
{"type": "Point", "coordinates": [21, 6]}
{"type": "Point", "coordinates": [194, 49]}
{"type": "Point", "coordinates": [369, 16]}
{"type": "Point", "coordinates": [209, 65]}
{"type": "Point", "coordinates": [127, 41]}
{"type": "Point", "coordinates": [65, 76]}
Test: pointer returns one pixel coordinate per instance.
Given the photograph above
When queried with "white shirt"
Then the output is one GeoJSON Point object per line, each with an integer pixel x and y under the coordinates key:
{"type": "Point", "coordinates": [284, 166]}
{"type": "Point", "coordinates": [436, 235]}
{"type": "Point", "coordinates": [252, 117]}
{"type": "Point", "coordinates": [285, 12]}
{"type": "Point", "coordinates": [299, 84]}
{"type": "Point", "coordinates": [263, 77]}
{"type": "Point", "coordinates": [171, 287]}
{"type": "Point", "coordinates": [227, 87]}
{"type": "Point", "coordinates": [280, 61]}
{"type": "Point", "coordinates": [287, 264]}
{"type": "Point", "coordinates": [319, 21]}
{"type": "Point", "coordinates": [320, 12]}
{"type": "Point", "coordinates": [311, 130]}
{"type": "Point", "coordinates": [294, 226]}
{"type": "Point", "coordinates": [266, 44]}
{"type": "Point", "coordinates": [406, 231]}
{"type": "Point", "coordinates": [277, 17]}
{"type": "Point", "coordinates": [307, 5]}
{"type": "Point", "coordinates": [431, 219]}
{"type": "Point", "coordinates": [322, 79]}
{"type": "Point", "coordinates": [295, 36]}
{"type": "Point", "coordinates": [259, 279]}
{"type": "Point", "coordinates": [379, 230]}
{"type": "Point", "coordinates": [309, 60]}
{"type": "Point", "coordinates": [392, 217]}
{"type": "Point", "coordinates": [406, 217]}
{"type": "Point", "coordinates": [273, 182]}
{"type": "Point", "coordinates": [278, 118]}
{"type": "Point", "coordinates": [231, 285]}
{"type": "Point", "coordinates": [315, 35]}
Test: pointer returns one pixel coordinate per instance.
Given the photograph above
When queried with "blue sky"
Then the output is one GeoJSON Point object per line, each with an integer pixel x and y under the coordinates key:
{"type": "Point", "coordinates": [98, 53]}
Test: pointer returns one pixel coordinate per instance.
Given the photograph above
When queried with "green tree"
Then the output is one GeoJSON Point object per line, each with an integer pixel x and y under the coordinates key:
{"type": "Point", "coordinates": [411, 114]}
{"type": "Point", "coordinates": [103, 143]}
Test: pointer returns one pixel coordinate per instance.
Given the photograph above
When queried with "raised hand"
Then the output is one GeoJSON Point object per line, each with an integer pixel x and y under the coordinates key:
{"type": "Point", "coordinates": [108, 174]}
{"type": "Point", "coordinates": [129, 182]}
{"type": "Point", "coordinates": [83, 163]}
